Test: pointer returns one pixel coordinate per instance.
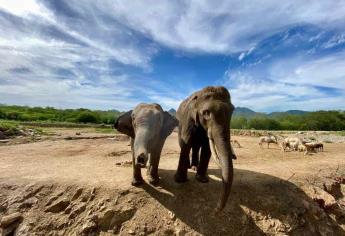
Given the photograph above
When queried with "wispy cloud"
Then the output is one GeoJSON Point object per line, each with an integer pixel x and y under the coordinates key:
{"type": "Point", "coordinates": [113, 54]}
{"type": "Point", "coordinates": [291, 83]}
{"type": "Point", "coordinates": [222, 26]}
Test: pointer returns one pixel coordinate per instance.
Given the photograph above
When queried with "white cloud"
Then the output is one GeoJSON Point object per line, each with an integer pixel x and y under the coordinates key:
{"type": "Point", "coordinates": [49, 59]}
{"type": "Point", "coordinates": [328, 71]}
{"type": "Point", "coordinates": [105, 93]}
{"type": "Point", "coordinates": [221, 26]}
{"type": "Point", "coordinates": [241, 56]}
{"type": "Point", "coordinates": [292, 83]}
{"type": "Point", "coordinates": [334, 41]}
{"type": "Point", "coordinates": [25, 8]}
{"type": "Point", "coordinates": [113, 41]}
{"type": "Point", "coordinates": [70, 60]}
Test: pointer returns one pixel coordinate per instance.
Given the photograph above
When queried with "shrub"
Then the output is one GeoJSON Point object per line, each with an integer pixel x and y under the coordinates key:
{"type": "Point", "coordinates": [88, 117]}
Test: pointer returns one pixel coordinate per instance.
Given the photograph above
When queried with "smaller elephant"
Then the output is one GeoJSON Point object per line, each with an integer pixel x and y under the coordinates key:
{"type": "Point", "coordinates": [148, 126]}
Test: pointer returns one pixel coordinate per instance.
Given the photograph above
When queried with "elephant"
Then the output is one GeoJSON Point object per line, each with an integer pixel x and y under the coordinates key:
{"type": "Point", "coordinates": [148, 126]}
{"type": "Point", "coordinates": [204, 122]}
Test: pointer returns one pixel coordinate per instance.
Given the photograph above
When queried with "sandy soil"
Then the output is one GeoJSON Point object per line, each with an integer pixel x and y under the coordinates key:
{"type": "Point", "coordinates": [74, 187]}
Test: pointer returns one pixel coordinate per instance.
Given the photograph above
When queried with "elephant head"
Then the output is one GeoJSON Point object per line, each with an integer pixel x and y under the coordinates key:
{"type": "Point", "coordinates": [211, 109]}
{"type": "Point", "coordinates": [149, 126]}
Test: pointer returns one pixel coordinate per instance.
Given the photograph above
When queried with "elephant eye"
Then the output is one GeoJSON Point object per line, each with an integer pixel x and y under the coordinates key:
{"type": "Point", "coordinates": [206, 114]}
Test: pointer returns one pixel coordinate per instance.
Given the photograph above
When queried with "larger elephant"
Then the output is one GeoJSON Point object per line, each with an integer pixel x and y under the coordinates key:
{"type": "Point", "coordinates": [204, 120]}
{"type": "Point", "coordinates": [148, 126]}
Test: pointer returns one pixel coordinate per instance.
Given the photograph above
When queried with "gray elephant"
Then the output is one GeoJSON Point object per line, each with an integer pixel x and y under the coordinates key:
{"type": "Point", "coordinates": [204, 122]}
{"type": "Point", "coordinates": [148, 126]}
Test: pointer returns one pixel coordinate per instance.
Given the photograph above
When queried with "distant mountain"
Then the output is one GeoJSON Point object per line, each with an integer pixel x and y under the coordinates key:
{"type": "Point", "coordinates": [172, 111]}
{"type": "Point", "coordinates": [114, 110]}
{"type": "Point", "coordinates": [246, 112]}
{"type": "Point", "coordinates": [296, 112]}
{"type": "Point", "coordinates": [289, 112]}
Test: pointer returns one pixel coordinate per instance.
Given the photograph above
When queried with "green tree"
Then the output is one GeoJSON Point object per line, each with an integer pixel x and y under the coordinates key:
{"type": "Point", "coordinates": [239, 123]}
{"type": "Point", "coordinates": [88, 117]}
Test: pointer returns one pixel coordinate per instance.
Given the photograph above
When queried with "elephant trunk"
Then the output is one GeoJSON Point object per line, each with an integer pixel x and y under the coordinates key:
{"type": "Point", "coordinates": [140, 147]}
{"type": "Point", "coordinates": [221, 150]}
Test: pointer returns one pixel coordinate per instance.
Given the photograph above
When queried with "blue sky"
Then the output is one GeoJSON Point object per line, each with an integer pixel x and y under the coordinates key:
{"type": "Point", "coordinates": [272, 56]}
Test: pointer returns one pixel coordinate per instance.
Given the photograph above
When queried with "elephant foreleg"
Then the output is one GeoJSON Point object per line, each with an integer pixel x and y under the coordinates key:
{"type": "Point", "coordinates": [201, 174]}
{"type": "Point", "coordinates": [183, 164]}
{"type": "Point", "coordinates": [195, 157]}
{"type": "Point", "coordinates": [152, 171]}
{"type": "Point", "coordinates": [137, 178]}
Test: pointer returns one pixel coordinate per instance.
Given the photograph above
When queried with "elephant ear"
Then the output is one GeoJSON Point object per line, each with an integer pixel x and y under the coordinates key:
{"type": "Point", "coordinates": [194, 111]}
{"type": "Point", "coordinates": [124, 124]}
{"type": "Point", "coordinates": [169, 123]}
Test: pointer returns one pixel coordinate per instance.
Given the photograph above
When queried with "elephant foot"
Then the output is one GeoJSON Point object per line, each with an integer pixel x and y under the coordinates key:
{"type": "Point", "coordinates": [137, 182]}
{"type": "Point", "coordinates": [153, 180]}
{"type": "Point", "coordinates": [180, 179]}
{"type": "Point", "coordinates": [194, 168]}
{"type": "Point", "coordinates": [201, 178]}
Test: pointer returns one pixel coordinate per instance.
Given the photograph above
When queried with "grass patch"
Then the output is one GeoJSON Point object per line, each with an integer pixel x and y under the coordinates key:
{"type": "Point", "coordinates": [8, 128]}
{"type": "Point", "coordinates": [13, 128]}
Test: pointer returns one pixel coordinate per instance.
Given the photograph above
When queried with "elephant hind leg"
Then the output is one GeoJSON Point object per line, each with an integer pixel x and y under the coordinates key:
{"type": "Point", "coordinates": [183, 164]}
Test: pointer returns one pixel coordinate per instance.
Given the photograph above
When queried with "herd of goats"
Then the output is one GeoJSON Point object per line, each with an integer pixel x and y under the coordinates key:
{"type": "Point", "coordinates": [292, 144]}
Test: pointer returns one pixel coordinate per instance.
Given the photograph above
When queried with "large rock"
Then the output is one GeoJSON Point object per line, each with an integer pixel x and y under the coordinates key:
{"type": "Point", "coordinates": [90, 225]}
{"type": "Point", "coordinates": [321, 197]}
{"type": "Point", "coordinates": [79, 209]}
{"type": "Point", "coordinates": [29, 203]}
{"type": "Point", "coordinates": [77, 194]}
{"type": "Point", "coordinates": [114, 218]}
{"type": "Point", "coordinates": [10, 219]}
{"type": "Point", "coordinates": [58, 206]}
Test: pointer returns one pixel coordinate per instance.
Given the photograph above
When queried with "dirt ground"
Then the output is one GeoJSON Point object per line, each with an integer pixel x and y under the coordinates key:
{"type": "Point", "coordinates": [68, 184]}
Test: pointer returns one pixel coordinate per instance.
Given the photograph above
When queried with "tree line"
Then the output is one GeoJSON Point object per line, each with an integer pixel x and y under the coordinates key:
{"type": "Point", "coordinates": [50, 114]}
{"type": "Point", "coordinates": [318, 120]}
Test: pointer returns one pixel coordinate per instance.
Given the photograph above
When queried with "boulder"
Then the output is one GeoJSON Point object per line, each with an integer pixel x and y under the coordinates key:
{"type": "Point", "coordinates": [114, 218]}
{"type": "Point", "coordinates": [29, 203]}
{"type": "Point", "coordinates": [10, 219]}
{"type": "Point", "coordinates": [321, 197]}
{"type": "Point", "coordinates": [58, 206]}
{"type": "Point", "coordinates": [90, 225]}
{"type": "Point", "coordinates": [79, 209]}
{"type": "Point", "coordinates": [77, 194]}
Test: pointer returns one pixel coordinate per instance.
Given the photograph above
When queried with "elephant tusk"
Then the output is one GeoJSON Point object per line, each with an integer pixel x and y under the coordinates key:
{"type": "Point", "coordinates": [214, 152]}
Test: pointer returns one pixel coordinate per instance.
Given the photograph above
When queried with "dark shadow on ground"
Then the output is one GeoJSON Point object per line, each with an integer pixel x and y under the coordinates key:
{"type": "Point", "coordinates": [257, 202]}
